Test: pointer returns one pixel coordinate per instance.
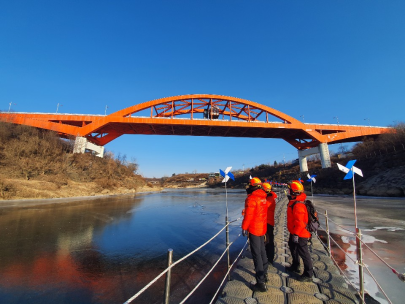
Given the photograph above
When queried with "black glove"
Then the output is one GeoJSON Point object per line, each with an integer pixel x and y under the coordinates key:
{"type": "Point", "coordinates": [244, 232]}
{"type": "Point", "coordinates": [296, 238]}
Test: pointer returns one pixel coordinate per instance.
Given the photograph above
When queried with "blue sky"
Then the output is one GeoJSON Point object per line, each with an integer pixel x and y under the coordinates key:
{"type": "Point", "coordinates": [316, 59]}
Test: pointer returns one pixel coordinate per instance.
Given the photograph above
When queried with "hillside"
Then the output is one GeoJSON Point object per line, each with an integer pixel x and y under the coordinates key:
{"type": "Point", "coordinates": [382, 161]}
{"type": "Point", "coordinates": [36, 163]}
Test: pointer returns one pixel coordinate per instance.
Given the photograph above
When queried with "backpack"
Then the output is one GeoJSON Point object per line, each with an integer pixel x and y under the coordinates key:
{"type": "Point", "coordinates": [313, 220]}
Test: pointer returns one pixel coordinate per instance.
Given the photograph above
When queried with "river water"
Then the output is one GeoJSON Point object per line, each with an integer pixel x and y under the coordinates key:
{"type": "Point", "coordinates": [105, 250]}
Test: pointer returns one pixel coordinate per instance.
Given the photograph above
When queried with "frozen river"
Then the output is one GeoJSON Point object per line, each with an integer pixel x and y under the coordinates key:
{"type": "Point", "coordinates": [105, 250]}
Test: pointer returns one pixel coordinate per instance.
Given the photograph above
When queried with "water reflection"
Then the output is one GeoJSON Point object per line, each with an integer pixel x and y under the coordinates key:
{"type": "Point", "coordinates": [104, 251]}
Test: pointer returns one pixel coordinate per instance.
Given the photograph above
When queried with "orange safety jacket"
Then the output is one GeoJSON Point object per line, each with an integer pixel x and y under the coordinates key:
{"type": "Point", "coordinates": [271, 200]}
{"type": "Point", "coordinates": [297, 217]}
{"type": "Point", "coordinates": [255, 219]}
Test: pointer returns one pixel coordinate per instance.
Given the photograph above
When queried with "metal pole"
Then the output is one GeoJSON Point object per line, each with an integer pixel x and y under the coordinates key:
{"type": "Point", "coordinates": [360, 262]}
{"type": "Point", "coordinates": [327, 232]}
{"type": "Point", "coordinates": [312, 192]}
{"type": "Point", "coordinates": [227, 233]}
{"type": "Point", "coordinates": [168, 275]}
{"type": "Point", "coordinates": [354, 198]}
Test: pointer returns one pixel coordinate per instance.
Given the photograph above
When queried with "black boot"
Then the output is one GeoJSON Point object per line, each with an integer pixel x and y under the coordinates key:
{"type": "Point", "coordinates": [303, 278]}
{"type": "Point", "coordinates": [292, 269]}
{"type": "Point", "coordinates": [266, 277]}
{"type": "Point", "coordinates": [261, 287]}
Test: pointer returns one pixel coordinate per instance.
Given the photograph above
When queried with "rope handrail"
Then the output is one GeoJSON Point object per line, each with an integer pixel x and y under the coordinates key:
{"type": "Point", "coordinates": [400, 276]}
{"type": "Point", "coordinates": [354, 261]}
{"type": "Point", "coordinates": [206, 275]}
{"type": "Point", "coordinates": [341, 271]}
{"type": "Point", "coordinates": [379, 286]}
{"type": "Point", "coordinates": [352, 232]}
{"type": "Point", "coordinates": [174, 264]}
{"type": "Point", "coordinates": [223, 280]}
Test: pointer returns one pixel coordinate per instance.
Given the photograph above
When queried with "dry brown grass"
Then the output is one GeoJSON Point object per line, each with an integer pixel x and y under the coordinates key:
{"type": "Point", "coordinates": [36, 163]}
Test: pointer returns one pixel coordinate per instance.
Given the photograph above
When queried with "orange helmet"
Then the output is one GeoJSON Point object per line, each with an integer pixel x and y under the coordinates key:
{"type": "Point", "coordinates": [296, 187]}
{"type": "Point", "coordinates": [266, 187]}
{"type": "Point", "coordinates": [255, 181]}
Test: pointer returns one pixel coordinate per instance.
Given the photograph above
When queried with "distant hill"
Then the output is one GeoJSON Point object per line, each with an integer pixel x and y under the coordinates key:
{"type": "Point", "coordinates": [36, 163]}
{"type": "Point", "coordinates": [382, 161]}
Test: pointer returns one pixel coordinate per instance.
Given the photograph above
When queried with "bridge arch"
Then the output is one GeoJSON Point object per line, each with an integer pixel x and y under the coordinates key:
{"type": "Point", "coordinates": [196, 115]}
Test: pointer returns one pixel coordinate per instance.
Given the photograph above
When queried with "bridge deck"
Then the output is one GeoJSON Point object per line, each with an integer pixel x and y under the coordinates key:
{"type": "Point", "coordinates": [328, 285]}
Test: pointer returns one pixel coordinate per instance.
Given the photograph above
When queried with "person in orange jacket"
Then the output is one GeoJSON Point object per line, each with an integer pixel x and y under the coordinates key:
{"type": "Point", "coordinates": [297, 220]}
{"type": "Point", "coordinates": [271, 202]}
{"type": "Point", "coordinates": [254, 224]}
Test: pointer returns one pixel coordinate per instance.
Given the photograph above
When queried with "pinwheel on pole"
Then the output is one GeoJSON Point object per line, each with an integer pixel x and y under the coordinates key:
{"type": "Point", "coordinates": [350, 170]}
{"type": "Point", "coordinates": [311, 178]}
{"type": "Point", "coordinates": [227, 175]}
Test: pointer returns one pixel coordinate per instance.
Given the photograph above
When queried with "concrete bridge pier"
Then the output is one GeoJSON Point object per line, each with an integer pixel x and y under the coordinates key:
{"type": "Point", "coordinates": [322, 149]}
{"type": "Point", "coordinates": [82, 144]}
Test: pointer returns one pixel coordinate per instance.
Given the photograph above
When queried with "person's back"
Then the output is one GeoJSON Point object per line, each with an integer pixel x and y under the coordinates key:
{"type": "Point", "coordinates": [297, 220]}
{"type": "Point", "coordinates": [254, 225]}
{"type": "Point", "coordinates": [290, 211]}
{"type": "Point", "coordinates": [255, 219]}
{"type": "Point", "coordinates": [271, 202]}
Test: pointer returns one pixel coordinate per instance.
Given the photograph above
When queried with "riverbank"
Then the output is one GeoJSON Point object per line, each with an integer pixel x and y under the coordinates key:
{"type": "Point", "coordinates": [35, 190]}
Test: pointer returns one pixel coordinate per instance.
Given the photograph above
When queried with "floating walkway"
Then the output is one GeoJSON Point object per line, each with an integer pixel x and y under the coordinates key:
{"type": "Point", "coordinates": [328, 285]}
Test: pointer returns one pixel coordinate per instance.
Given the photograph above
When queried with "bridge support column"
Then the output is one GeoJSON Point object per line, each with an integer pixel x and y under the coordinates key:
{"type": "Point", "coordinates": [82, 144]}
{"type": "Point", "coordinates": [322, 149]}
{"type": "Point", "coordinates": [325, 156]}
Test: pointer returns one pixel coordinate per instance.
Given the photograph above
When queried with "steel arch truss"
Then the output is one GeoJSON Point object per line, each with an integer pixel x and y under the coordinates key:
{"type": "Point", "coordinates": [195, 115]}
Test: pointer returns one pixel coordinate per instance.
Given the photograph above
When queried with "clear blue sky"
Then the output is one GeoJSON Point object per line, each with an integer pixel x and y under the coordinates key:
{"type": "Point", "coordinates": [319, 59]}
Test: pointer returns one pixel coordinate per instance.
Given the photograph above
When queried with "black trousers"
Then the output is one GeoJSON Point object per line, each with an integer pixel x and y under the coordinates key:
{"type": "Point", "coordinates": [270, 243]}
{"type": "Point", "coordinates": [259, 256]}
{"type": "Point", "coordinates": [298, 250]}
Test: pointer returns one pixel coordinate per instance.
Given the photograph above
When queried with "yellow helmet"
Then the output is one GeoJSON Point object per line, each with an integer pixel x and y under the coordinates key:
{"type": "Point", "coordinates": [296, 187]}
{"type": "Point", "coordinates": [255, 181]}
{"type": "Point", "coordinates": [266, 187]}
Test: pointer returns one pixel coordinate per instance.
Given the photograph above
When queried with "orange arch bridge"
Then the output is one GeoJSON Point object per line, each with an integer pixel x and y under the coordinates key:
{"type": "Point", "coordinates": [197, 115]}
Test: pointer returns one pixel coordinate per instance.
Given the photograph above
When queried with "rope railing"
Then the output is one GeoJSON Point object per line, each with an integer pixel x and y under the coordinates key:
{"type": "Point", "coordinates": [180, 260]}
{"type": "Point", "coordinates": [212, 268]}
{"type": "Point", "coordinates": [379, 286]}
{"type": "Point", "coordinates": [358, 237]}
{"type": "Point", "coordinates": [327, 247]}
{"type": "Point", "coordinates": [354, 261]}
{"type": "Point", "coordinates": [223, 280]}
{"type": "Point", "coordinates": [341, 271]}
{"type": "Point", "coordinates": [340, 226]}
{"type": "Point", "coordinates": [400, 276]}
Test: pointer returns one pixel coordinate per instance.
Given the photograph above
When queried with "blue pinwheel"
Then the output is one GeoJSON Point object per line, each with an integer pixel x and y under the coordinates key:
{"type": "Point", "coordinates": [350, 169]}
{"type": "Point", "coordinates": [311, 178]}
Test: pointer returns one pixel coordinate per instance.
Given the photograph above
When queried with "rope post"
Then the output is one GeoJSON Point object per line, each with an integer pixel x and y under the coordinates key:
{"type": "Point", "coordinates": [360, 262]}
{"type": "Point", "coordinates": [227, 244]}
{"type": "Point", "coordinates": [327, 232]}
{"type": "Point", "coordinates": [168, 275]}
